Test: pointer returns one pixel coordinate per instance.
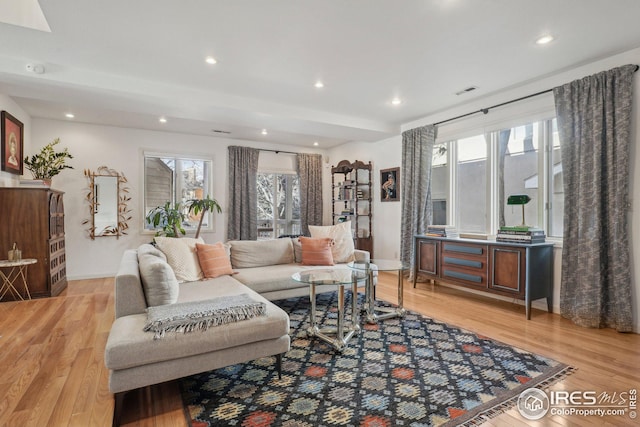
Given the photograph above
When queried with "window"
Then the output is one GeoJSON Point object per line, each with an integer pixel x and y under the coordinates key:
{"type": "Point", "coordinates": [440, 183]}
{"type": "Point", "coordinates": [278, 205]}
{"type": "Point", "coordinates": [177, 179]}
{"type": "Point", "coordinates": [472, 178]}
{"type": "Point", "coordinates": [556, 186]}
{"type": "Point", "coordinates": [471, 187]}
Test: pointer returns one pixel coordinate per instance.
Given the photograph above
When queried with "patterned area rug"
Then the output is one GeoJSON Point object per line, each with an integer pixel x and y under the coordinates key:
{"type": "Point", "coordinates": [413, 371]}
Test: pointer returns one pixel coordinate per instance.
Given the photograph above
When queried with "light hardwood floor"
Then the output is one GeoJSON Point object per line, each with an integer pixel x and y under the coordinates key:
{"type": "Point", "coordinates": [52, 371]}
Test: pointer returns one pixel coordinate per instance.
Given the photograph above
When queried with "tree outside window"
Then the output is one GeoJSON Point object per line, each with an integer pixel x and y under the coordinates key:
{"type": "Point", "coordinates": [278, 205]}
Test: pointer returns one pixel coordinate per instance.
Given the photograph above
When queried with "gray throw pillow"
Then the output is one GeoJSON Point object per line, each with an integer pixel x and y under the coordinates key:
{"type": "Point", "coordinates": [158, 280]}
{"type": "Point", "coordinates": [149, 249]}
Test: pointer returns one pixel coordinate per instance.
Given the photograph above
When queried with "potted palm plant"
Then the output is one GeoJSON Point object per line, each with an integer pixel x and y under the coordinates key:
{"type": "Point", "coordinates": [203, 205]}
{"type": "Point", "coordinates": [167, 217]}
{"type": "Point", "coordinates": [48, 163]}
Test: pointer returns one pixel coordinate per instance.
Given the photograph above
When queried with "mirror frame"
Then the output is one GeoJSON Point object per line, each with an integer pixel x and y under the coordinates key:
{"type": "Point", "coordinates": [123, 198]}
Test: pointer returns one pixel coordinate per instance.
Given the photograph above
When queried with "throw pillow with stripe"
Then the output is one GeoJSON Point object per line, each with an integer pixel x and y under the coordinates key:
{"type": "Point", "coordinates": [214, 260]}
{"type": "Point", "coordinates": [317, 251]}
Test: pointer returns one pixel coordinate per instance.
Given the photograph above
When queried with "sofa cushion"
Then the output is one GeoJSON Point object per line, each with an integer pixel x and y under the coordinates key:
{"type": "Point", "coordinates": [214, 260]}
{"type": "Point", "coordinates": [129, 346]}
{"type": "Point", "coordinates": [258, 253]}
{"type": "Point", "coordinates": [317, 251]}
{"type": "Point", "coordinates": [341, 233]}
{"type": "Point", "coordinates": [181, 256]}
{"type": "Point", "coordinates": [158, 280]}
{"type": "Point", "coordinates": [147, 248]}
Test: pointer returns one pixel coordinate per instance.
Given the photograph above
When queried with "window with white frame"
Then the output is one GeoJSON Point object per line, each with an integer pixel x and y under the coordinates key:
{"type": "Point", "coordinates": [278, 205]}
{"type": "Point", "coordinates": [472, 177]}
{"type": "Point", "coordinates": [177, 179]}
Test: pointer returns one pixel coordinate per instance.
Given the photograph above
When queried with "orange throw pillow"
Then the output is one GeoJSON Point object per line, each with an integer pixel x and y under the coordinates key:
{"type": "Point", "coordinates": [214, 260]}
{"type": "Point", "coordinates": [316, 251]}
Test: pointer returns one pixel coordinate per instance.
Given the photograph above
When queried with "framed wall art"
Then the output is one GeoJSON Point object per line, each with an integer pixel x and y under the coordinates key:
{"type": "Point", "coordinates": [12, 143]}
{"type": "Point", "coordinates": [390, 185]}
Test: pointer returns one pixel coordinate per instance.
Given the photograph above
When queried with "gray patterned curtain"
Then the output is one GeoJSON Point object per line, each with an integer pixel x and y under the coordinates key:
{"type": "Point", "coordinates": [417, 157]}
{"type": "Point", "coordinates": [594, 122]}
{"type": "Point", "coordinates": [242, 221]}
{"type": "Point", "coordinates": [310, 175]}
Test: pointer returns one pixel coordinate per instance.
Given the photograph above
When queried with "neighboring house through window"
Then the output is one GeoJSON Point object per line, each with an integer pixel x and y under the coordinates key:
{"type": "Point", "coordinates": [177, 179]}
{"type": "Point", "coordinates": [473, 176]}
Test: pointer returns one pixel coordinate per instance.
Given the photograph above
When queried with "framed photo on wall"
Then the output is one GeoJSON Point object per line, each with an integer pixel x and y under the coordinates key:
{"type": "Point", "coordinates": [12, 143]}
{"type": "Point", "coordinates": [390, 185]}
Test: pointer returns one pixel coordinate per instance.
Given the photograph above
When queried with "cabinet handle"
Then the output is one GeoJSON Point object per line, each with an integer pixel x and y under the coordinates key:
{"type": "Point", "coordinates": [463, 262]}
{"type": "Point", "coordinates": [463, 249]}
{"type": "Point", "coordinates": [463, 276]}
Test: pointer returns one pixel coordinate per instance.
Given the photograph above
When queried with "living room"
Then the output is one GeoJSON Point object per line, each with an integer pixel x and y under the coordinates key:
{"type": "Point", "coordinates": [120, 144]}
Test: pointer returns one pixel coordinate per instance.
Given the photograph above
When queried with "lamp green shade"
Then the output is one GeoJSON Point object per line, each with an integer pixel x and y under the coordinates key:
{"type": "Point", "coordinates": [519, 199]}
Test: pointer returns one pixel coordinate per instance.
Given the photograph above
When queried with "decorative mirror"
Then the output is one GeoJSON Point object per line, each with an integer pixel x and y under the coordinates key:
{"type": "Point", "coordinates": [108, 196]}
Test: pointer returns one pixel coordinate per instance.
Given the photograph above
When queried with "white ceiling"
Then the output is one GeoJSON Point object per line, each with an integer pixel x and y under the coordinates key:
{"type": "Point", "coordinates": [126, 63]}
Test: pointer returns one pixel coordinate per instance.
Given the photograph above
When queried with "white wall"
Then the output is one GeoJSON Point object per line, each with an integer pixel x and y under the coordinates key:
{"type": "Point", "coordinates": [387, 153]}
{"type": "Point", "coordinates": [7, 104]}
{"type": "Point", "coordinates": [121, 149]}
{"type": "Point", "coordinates": [386, 216]}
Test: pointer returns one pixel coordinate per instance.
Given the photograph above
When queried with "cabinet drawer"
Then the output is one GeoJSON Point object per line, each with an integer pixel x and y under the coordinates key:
{"type": "Point", "coordinates": [464, 263]}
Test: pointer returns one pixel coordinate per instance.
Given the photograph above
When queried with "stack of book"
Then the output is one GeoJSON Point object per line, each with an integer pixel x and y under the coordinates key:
{"type": "Point", "coordinates": [441, 231]}
{"type": "Point", "coordinates": [520, 234]}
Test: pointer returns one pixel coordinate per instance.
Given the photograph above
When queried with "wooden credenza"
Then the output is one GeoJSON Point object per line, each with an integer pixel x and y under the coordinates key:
{"type": "Point", "coordinates": [521, 271]}
{"type": "Point", "coordinates": [34, 219]}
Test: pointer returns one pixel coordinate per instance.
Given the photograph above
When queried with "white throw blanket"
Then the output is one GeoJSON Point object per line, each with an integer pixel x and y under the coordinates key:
{"type": "Point", "coordinates": [200, 315]}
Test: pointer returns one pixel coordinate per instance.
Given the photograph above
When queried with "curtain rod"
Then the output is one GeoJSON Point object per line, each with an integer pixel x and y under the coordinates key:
{"type": "Point", "coordinates": [277, 151]}
{"type": "Point", "coordinates": [486, 110]}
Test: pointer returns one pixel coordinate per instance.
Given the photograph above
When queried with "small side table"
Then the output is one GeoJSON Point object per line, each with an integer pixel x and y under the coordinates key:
{"type": "Point", "coordinates": [17, 272]}
{"type": "Point", "coordinates": [381, 265]}
{"type": "Point", "coordinates": [340, 278]}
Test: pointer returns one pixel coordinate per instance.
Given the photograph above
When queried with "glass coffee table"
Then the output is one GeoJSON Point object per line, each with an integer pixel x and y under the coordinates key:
{"type": "Point", "coordinates": [370, 305]}
{"type": "Point", "coordinates": [342, 332]}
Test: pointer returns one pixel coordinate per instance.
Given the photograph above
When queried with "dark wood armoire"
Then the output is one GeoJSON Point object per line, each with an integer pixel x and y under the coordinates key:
{"type": "Point", "coordinates": [34, 219]}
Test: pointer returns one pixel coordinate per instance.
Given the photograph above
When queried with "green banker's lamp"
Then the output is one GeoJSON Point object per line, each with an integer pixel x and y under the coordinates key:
{"type": "Point", "coordinates": [519, 199]}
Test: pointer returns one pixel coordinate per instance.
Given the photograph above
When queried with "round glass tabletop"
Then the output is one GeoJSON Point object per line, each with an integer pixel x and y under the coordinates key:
{"type": "Point", "coordinates": [327, 276]}
{"type": "Point", "coordinates": [381, 264]}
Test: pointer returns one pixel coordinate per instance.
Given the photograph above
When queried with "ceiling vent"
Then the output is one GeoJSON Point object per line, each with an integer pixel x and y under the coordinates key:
{"type": "Point", "coordinates": [226, 132]}
{"type": "Point", "coordinates": [467, 90]}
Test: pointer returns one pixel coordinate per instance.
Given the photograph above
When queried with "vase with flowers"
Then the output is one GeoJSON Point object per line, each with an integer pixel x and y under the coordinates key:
{"type": "Point", "coordinates": [48, 162]}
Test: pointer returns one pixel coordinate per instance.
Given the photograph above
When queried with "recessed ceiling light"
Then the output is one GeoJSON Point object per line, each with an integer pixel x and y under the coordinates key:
{"type": "Point", "coordinates": [162, 120]}
{"type": "Point", "coordinates": [264, 131]}
{"type": "Point", "coordinates": [319, 84]}
{"type": "Point", "coordinates": [396, 101]}
{"type": "Point", "coordinates": [315, 144]}
{"type": "Point", "coordinates": [544, 39]}
{"type": "Point", "coordinates": [210, 60]}
{"type": "Point", "coordinates": [69, 115]}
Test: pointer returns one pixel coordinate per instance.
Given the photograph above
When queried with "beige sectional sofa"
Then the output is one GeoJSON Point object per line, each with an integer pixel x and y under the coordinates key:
{"type": "Point", "coordinates": [263, 272]}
